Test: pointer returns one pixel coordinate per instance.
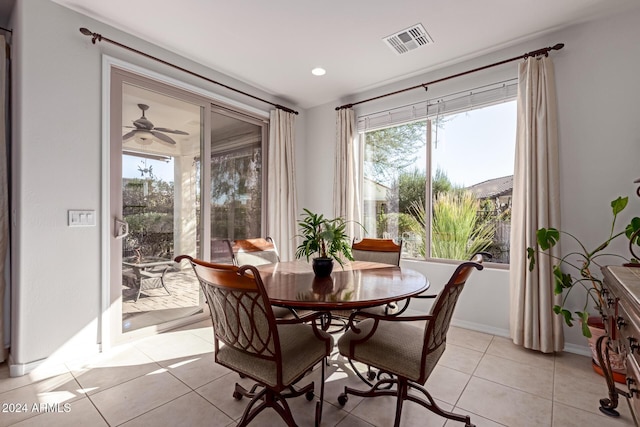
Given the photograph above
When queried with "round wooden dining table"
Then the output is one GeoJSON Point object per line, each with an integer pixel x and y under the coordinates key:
{"type": "Point", "coordinates": [359, 284]}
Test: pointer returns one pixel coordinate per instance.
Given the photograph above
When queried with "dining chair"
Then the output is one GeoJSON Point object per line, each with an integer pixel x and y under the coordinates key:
{"type": "Point", "coordinates": [259, 251]}
{"type": "Point", "coordinates": [405, 348]}
{"type": "Point", "coordinates": [384, 251]}
{"type": "Point", "coordinates": [248, 339]}
{"type": "Point", "coordinates": [255, 252]}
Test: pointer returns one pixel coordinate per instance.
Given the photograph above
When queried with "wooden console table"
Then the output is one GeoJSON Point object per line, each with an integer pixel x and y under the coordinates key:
{"type": "Point", "coordinates": [621, 316]}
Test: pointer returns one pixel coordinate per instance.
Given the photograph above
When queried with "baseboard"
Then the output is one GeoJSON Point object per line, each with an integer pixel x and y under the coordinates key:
{"type": "Point", "coordinates": [582, 350]}
{"type": "Point", "coordinates": [47, 364]}
{"type": "Point", "coordinates": [20, 369]}
{"type": "Point", "coordinates": [481, 328]}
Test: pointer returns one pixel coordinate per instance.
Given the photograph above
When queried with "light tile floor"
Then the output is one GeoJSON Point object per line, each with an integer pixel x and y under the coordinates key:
{"type": "Point", "coordinates": [171, 380]}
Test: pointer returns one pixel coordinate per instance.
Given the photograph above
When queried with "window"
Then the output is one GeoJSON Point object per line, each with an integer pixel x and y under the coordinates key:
{"type": "Point", "coordinates": [465, 205]}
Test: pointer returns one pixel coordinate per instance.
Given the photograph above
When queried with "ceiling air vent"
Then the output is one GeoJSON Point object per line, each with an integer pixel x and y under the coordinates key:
{"type": "Point", "coordinates": [409, 39]}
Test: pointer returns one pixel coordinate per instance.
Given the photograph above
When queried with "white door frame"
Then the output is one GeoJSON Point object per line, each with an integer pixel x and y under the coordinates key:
{"type": "Point", "coordinates": [109, 337]}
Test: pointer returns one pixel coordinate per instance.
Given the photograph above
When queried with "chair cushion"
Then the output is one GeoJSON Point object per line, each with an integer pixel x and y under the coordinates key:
{"type": "Point", "coordinates": [300, 348]}
{"type": "Point", "coordinates": [256, 258]}
{"type": "Point", "coordinates": [392, 258]}
{"type": "Point", "coordinates": [395, 347]}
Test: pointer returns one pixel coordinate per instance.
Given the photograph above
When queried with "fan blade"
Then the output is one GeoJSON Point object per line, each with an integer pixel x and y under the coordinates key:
{"type": "Point", "coordinates": [129, 135]}
{"type": "Point", "coordinates": [178, 132]}
{"type": "Point", "coordinates": [163, 137]}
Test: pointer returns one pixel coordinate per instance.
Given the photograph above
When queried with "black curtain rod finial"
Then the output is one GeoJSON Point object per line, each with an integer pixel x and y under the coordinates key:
{"type": "Point", "coordinates": [94, 36]}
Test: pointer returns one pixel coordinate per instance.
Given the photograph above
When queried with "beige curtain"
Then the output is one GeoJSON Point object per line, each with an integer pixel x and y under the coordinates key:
{"type": "Point", "coordinates": [346, 190]}
{"type": "Point", "coordinates": [4, 199]}
{"type": "Point", "coordinates": [536, 204]}
{"type": "Point", "coordinates": [281, 190]}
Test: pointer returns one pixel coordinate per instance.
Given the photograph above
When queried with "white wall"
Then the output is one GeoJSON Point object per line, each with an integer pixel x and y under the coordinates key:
{"type": "Point", "coordinates": [57, 166]}
{"type": "Point", "coordinates": [57, 145]}
{"type": "Point", "coordinates": [598, 81]}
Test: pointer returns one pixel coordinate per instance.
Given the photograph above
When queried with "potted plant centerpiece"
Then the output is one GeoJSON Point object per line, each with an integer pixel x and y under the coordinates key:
{"type": "Point", "coordinates": [325, 237]}
{"type": "Point", "coordinates": [585, 265]}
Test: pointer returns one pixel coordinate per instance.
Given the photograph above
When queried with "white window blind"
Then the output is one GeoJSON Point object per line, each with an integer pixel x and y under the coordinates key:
{"type": "Point", "coordinates": [454, 103]}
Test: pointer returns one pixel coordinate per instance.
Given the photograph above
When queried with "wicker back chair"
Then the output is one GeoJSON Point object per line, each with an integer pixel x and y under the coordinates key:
{"type": "Point", "coordinates": [407, 351]}
{"type": "Point", "coordinates": [276, 353]}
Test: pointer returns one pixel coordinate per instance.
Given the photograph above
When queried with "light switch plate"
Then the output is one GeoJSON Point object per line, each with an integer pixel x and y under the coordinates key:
{"type": "Point", "coordinates": [82, 218]}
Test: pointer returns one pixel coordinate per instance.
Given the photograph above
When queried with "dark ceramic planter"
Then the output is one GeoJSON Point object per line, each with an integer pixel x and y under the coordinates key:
{"type": "Point", "coordinates": [322, 267]}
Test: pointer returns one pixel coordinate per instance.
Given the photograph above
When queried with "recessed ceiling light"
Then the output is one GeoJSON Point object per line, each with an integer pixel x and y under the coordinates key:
{"type": "Point", "coordinates": [318, 71]}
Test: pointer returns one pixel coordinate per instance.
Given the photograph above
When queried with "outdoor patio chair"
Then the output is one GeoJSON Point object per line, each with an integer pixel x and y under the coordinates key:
{"type": "Point", "coordinates": [404, 349]}
{"type": "Point", "coordinates": [276, 353]}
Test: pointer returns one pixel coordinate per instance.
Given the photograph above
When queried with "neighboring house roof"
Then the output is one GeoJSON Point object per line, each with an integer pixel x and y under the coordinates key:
{"type": "Point", "coordinates": [493, 187]}
{"type": "Point", "coordinates": [374, 190]}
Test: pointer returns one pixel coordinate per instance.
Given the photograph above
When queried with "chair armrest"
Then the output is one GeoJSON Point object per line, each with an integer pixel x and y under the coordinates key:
{"type": "Point", "coordinates": [352, 324]}
{"type": "Point", "coordinates": [299, 319]}
{"type": "Point", "coordinates": [425, 296]}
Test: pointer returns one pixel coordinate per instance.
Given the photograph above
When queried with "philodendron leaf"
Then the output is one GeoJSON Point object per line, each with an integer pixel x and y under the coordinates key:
{"type": "Point", "coordinates": [557, 309]}
{"type": "Point", "coordinates": [619, 204]}
{"type": "Point", "coordinates": [568, 318]}
{"type": "Point", "coordinates": [633, 227]}
{"type": "Point", "coordinates": [547, 237]}
{"type": "Point", "coordinates": [531, 255]}
{"type": "Point", "coordinates": [584, 320]}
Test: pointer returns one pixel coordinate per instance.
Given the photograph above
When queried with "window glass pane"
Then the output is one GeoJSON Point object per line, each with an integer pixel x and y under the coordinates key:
{"type": "Point", "coordinates": [472, 157]}
{"type": "Point", "coordinates": [395, 184]}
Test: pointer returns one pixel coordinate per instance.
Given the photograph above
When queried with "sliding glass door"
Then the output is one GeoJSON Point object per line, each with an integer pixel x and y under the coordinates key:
{"type": "Point", "coordinates": [184, 174]}
{"type": "Point", "coordinates": [237, 167]}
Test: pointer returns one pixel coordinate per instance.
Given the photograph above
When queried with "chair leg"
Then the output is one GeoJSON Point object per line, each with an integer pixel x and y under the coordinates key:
{"type": "Point", "coordinates": [320, 402]}
{"type": "Point", "coordinates": [402, 395]}
{"type": "Point", "coordinates": [163, 285]}
{"type": "Point", "coordinates": [433, 406]}
{"type": "Point", "coordinates": [383, 388]}
{"type": "Point", "coordinates": [266, 398]}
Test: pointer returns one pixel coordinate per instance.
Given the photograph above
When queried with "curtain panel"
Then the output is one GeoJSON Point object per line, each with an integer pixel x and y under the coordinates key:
{"type": "Point", "coordinates": [4, 201]}
{"type": "Point", "coordinates": [536, 204]}
{"type": "Point", "coordinates": [281, 191]}
{"type": "Point", "coordinates": [346, 189]}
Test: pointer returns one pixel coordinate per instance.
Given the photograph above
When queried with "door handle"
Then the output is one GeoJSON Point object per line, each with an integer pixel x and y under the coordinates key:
{"type": "Point", "coordinates": [121, 229]}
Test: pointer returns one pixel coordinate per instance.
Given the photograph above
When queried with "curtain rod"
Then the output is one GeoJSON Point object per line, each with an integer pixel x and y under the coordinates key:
{"type": "Point", "coordinates": [543, 51]}
{"type": "Point", "coordinates": [100, 37]}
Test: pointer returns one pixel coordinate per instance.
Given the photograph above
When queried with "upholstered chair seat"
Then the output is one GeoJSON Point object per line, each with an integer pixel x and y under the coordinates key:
{"type": "Point", "coordinates": [405, 348]}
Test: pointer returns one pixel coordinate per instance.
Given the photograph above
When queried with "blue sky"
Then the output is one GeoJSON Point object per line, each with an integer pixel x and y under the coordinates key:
{"type": "Point", "coordinates": [478, 145]}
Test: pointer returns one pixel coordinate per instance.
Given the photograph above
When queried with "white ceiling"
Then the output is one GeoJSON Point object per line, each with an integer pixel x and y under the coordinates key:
{"type": "Point", "coordinates": [274, 44]}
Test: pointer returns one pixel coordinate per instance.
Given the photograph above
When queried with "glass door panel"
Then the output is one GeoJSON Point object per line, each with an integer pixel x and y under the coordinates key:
{"type": "Point", "coordinates": [237, 168]}
{"type": "Point", "coordinates": [161, 138]}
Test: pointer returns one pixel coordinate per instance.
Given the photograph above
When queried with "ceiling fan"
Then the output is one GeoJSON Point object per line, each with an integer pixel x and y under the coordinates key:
{"type": "Point", "coordinates": [146, 131]}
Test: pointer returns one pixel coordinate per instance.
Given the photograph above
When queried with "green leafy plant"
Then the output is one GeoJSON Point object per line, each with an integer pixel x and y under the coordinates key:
{"type": "Point", "coordinates": [583, 261]}
{"type": "Point", "coordinates": [457, 230]}
{"type": "Point", "coordinates": [323, 236]}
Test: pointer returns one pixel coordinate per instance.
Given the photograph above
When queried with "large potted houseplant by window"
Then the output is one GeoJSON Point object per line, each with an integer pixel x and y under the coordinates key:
{"type": "Point", "coordinates": [580, 268]}
{"type": "Point", "coordinates": [325, 237]}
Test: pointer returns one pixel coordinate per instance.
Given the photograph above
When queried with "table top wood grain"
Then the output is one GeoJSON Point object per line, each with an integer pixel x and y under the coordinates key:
{"type": "Point", "coordinates": [359, 285]}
